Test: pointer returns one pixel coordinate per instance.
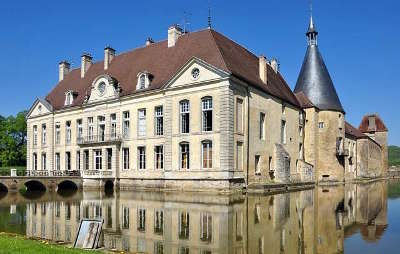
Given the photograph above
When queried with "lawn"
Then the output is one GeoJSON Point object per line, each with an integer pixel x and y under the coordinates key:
{"type": "Point", "coordinates": [11, 243]}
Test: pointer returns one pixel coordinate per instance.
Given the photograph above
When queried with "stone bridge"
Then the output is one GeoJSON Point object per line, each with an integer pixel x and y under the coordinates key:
{"type": "Point", "coordinates": [40, 183]}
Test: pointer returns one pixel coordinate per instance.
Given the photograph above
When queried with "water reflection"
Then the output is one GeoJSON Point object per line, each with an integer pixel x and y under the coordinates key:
{"type": "Point", "coordinates": [311, 221]}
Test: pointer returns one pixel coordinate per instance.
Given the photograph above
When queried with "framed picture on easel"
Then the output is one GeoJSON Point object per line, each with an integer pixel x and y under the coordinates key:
{"type": "Point", "coordinates": [88, 234]}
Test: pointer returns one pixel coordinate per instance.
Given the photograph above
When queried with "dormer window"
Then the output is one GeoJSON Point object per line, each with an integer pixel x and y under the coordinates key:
{"type": "Point", "coordinates": [144, 79]}
{"type": "Point", "coordinates": [69, 97]}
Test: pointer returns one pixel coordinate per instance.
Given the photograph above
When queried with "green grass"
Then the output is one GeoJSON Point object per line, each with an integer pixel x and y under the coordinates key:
{"type": "Point", "coordinates": [394, 156]}
{"type": "Point", "coordinates": [10, 244]}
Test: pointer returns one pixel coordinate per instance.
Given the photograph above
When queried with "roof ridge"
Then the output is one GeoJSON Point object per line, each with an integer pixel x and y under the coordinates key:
{"type": "Point", "coordinates": [218, 49]}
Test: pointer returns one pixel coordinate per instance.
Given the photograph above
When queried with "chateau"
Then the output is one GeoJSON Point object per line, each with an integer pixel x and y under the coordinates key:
{"type": "Point", "coordinates": [199, 111]}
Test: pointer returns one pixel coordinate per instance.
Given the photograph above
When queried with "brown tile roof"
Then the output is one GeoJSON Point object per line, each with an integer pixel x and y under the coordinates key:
{"type": "Point", "coordinates": [364, 125]}
{"type": "Point", "coordinates": [163, 62]}
{"type": "Point", "coordinates": [304, 101]}
{"type": "Point", "coordinates": [353, 131]}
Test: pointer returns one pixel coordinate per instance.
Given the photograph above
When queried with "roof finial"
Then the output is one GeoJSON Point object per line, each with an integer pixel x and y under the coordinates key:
{"type": "Point", "coordinates": [311, 32]}
{"type": "Point", "coordinates": [209, 15]}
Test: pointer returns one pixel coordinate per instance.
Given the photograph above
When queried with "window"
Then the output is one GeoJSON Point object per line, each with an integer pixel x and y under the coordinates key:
{"type": "Point", "coordinates": [142, 81]}
{"type": "Point", "coordinates": [142, 122]}
{"type": "Point", "coordinates": [79, 129]}
{"type": "Point", "coordinates": [58, 133]}
{"type": "Point", "coordinates": [90, 128]}
{"type": "Point", "coordinates": [141, 219]}
{"type": "Point", "coordinates": [270, 163]}
{"type": "Point", "coordinates": [321, 125]}
{"type": "Point", "coordinates": [239, 115]}
{"type": "Point", "coordinates": [159, 222]}
{"type": "Point", "coordinates": [97, 159]}
{"type": "Point", "coordinates": [69, 98]}
{"type": "Point", "coordinates": [67, 160]}
{"type": "Point", "coordinates": [34, 161]}
{"type": "Point", "coordinates": [239, 156]}
{"type": "Point", "coordinates": [257, 165]}
{"type": "Point", "coordinates": [142, 157]}
{"type": "Point", "coordinates": [113, 127]}
{"type": "Point", "coordinates": [125, 153]}
{"type": "Point", "coordinates": [125, 217]}
{"type": "Point", "coordinates": [35, 132]}
{"type": "Point", "coordinates": [43, 161]}
{"type": "Point", "coordinates": [68, 132]}
{"type": "Point", "coordinates": [257, 214]}
{"type": "Point", "coordinates": [78, 160]}
{"type": "Point", "coordinates": [125, 124]}
{"type": "Point", "coordinates": [184, 115]}
{"type": "Point", "coordinates": [159, 120]}
{"type": "Point", "coordinates": [184, 155]}
{"type": "Point", "coordinates": [207, 109]}
{"type": "Point", "coordinates": [57, 161]}
{"type": "Point", "coordinates": [283, 109]}
{"type": "Point", "coordinates": [262, 126]}
{"type": "Point", "coordinates": [43, 134]}
{"type": "Point", "coordinates": [86, 159]}
{"type": "Point", "coordinates": [195, 73]}
{"type": "Point", "coordinates": [158, 248]}
{"type": "Point", "coordinates": [109, 158]}
{"type": "Point", "coordinates": [283, 132]}
{"type": "Point", "coordinates": [301, 131]}
{"type": "Point", "coordinates": [159, 157]}
{"type": "Point", "coordinates": [184, 225]}
{"type": "Point", "coordinates": [206, 227]}
{"type": "Point", "coordinates": [300, 151]}
{"type": "Point", "coordinates": [101, 128]}
{"type": "Point", "coordinates": [206, 153]}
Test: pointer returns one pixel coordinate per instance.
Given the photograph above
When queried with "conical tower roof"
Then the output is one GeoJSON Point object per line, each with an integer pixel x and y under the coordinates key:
{"type": "Point", "coordinates": [314, 79]}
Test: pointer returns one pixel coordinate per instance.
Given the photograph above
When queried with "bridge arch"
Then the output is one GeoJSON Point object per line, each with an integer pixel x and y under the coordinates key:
{"type": "Point", "coordinates": [3, 188]}
{"type": "Point", "coordinates": [67, 185]}
{"type": "Point", "coordinates": [34, 185]}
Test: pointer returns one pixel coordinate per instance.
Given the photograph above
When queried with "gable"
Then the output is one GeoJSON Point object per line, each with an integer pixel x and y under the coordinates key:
{"type": "Point", "coordinates": [103, 88]}
{"type": "Point", "coordinates": [39, 107]}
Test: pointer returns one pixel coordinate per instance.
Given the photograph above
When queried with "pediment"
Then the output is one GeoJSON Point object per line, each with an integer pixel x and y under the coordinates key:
{"type": "Point", "coordinates": [40, 107]}
{"type": "Point", "coordinates": [195, 71]}
{"type": "Point", "coordinates": [103, 88]}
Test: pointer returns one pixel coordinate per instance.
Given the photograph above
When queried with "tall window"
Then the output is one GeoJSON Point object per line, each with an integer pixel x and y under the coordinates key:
{"type": "Point", "coordinates": [283, 132]}
{"type": "Point", "coordinates": [142, 122]}
{"type": "Point", "coordinates": [206, 153]}
{"type": "Point", "coordinates": [67, 160]}
{"type": "Point", "coordinates": [43, 161]}
{"type": "Point", "coordinates": [97, 159]}
{"type": "Point", "coordinates": [159, 157]}
{"type": "Point", "coordinates": [239, 115]}
{"type": "Point", "coordinates": [300, 151]}
{"type": "Point", "coordinates": [113, 127]}
{"type": "Point", "coordinates": [44, 134]}
{"type": "Point", "coordinates": [86, 159]}
{"type": "Point", "coordinates": [142, 157]}
{"type": "Point", "coordinates": [58, 133]}
{"type": "Point", "coordinates": [125, 154]}
{"type": "Point", "coordinates": [68, 132]}
{"type": "Point", "coordinates": [270, 163]}
{"type": "Point", "coordinates": [142, 81]}
{"type": "Point", "coordinates": [301, 131]}
{"type": "Point", "coordinates": [239, 156]}
{"type": "Point", "coordinates": [57, 161]}
{"type": "Point", "coordinates": [262, 126]}
{"type": "Point", "coordinates": [159, 222]}
{"type": "Point", "coordinates": [125, 217]}
{"type": "Point", "coordinates": [79, 129]}
{"type": "Point", "coordinates": [159, 120]}
{"type": "Point", "coordinates": [78, 160]}
{"type": "Point", "coordinates": [141, 222]}
{"type": "Point", "coordinates": [34, 161]}
{"type": "Point", "coordinates": [207, 109]}
{"type": "Point", "coordinates": [109, 158]}
{"type": "Point", "coordinates": [101, 128]}
{"type": "Point", "coordinates": [257, 165]}
{"type": "Point", "coordinates": [206, 227]}
{"type": "Point", "coordinates": [184, 116]}
{"type": "Point", "coordinates": [90, 128]}
{"type": "Point", "coordinates": [184, 226]}
{"type": "Point", "coordinates": [35, 133]}
{"type": "Point", "coordinates": [125, 124]}
{"type": "Point", "coordinates": [184, 155]}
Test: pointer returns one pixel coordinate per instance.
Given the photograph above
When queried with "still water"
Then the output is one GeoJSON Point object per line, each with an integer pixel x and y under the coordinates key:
{"type": "Point", "coordinates": [353, 218]}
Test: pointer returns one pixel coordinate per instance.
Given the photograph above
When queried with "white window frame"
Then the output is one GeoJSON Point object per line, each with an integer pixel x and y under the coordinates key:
{"type": "Point", "coordinates": [78, 160]}
{"type": "Point", "coordinates": [184, 116]}
{"type": "Point", "coordinates": [206, 145]}
{"type": "Point", "coordinates": [68, 160]}
{"type": "Point", "coordinates": [98, 159]}
{"type": "Point", "coordinates": [79, 129]}
{"type": "Point", "coordinates": [44, 134]}
{"type": "Point", "coordinates": [68, 133]}
{"type": "Point", "coordinates": [90, 128]}
{"type": "Point", "coordinates": [126, 124]}
{"type": "Point", "coordinates": [44, 161]}
{"type": "Point", "coordinates": [159, 157]}
{"type": "Point", "coordinates": [57, 161]}
{"type": "Point", "coordinates": [35, 135]}
{"type": "Point", "coordinates": [125, 158]}
{"type": "Point", "coordinates": [206, 227]}
{"type": "Point", "coordinates": [181, 146]}
{"type": "Point", "coordinates": [141, 130]}
{"type": "Point", "coordinates": [141, 152]}
{"type": "Point", "coordinates": [159, 120]}
{"type": "Point", "coordinates": [206, 108]}
{"type": "Point", "coordinates": [113, 125]}
{"type": "Point", "coordinates": [34, 161]}
{"type": "Point", "coordinates": [101, 128]}
{"type": "Point", "coordinates": [262, 125]}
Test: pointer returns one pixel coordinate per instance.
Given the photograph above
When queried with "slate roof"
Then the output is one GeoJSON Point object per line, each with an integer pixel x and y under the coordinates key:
{"type": "Point", "coordinates": [163, 63]}
{"type": "Point", "coordinates": [304, 101]}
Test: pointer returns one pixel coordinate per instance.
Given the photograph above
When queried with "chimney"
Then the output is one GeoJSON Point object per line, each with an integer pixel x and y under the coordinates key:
{"type": "Point", "coordinates": [109, 54]}
{"type": "Point", "coordinates": [262, 62]}
{"type": "Point", "coordinates": [173, 34]}
{"type": "Point", "coordinates": [275, 65]}
{"type": "Point", "coordinates": [86, 62]}
{"type": "Point", "coordinates": [149, 41]}
{"type": "Point", "coordinates": [63, 70]}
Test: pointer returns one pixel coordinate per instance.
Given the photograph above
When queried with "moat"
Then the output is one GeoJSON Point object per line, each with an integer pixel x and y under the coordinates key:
{"type": "Point", "coordinates": [351, 218]}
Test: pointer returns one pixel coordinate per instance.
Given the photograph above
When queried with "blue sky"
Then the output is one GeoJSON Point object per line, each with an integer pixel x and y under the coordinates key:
{"type": "Point", "coordinates": [359, 41]}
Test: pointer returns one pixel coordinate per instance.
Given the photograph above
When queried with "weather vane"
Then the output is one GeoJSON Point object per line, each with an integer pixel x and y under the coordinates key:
{"type": "Point", "coordinates": [209, 14]}
{"type": "Point", "coordinates": [186, 22]}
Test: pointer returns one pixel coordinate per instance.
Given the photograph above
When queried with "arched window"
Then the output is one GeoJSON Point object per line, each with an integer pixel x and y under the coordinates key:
{"type": "Point", "coordinates": [207, 113]}
{"type": "Point", "coordinates": [184, 155]}
{"type": "Point", "coordinates": [69, 98]}
{"type": "Point", "coordinates": [206, 154]}
{"type": "Point", "coordinates": [142, 81]}
{"type": "Point", "coordinates": [184, 108]}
